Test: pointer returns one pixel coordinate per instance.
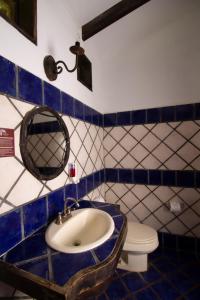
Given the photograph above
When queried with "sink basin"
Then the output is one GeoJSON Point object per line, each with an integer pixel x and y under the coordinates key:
{"type": "Point", "coordinates": [85, 230]}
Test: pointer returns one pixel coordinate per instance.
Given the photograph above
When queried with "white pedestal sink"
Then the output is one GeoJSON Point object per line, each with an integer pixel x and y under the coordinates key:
{"type": "Point", "coordinates": [86, 229]}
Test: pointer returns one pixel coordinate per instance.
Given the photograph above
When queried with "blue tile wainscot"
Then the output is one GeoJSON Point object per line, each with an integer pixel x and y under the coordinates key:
{"type": "Point", "coordinates": [43, 273]}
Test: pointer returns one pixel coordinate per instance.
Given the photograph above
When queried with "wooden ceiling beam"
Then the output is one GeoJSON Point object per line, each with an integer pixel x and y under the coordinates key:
{"type": "Point", "coordinates": [110, 16]}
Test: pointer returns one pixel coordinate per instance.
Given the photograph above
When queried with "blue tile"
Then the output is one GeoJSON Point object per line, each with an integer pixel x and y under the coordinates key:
{"type": "Point", "coordinates": [168, 114]}
{"type": "Point", "coordinates": [111, 175]}
{"type": "Point", "coordinates": [102, 175]}
{"type": "Point", "coordinates": [103, 251]}
{"type": "Point", "coordinates": [185, 178]}
{"type": "Point", "coordinates": [185, 112]}
{"type": "Point", "coordinates": [8, 77]}
{"type": "Point", "coordinates": [140, 176]}
{"type": "Point", "coordinates": [35, 215]}
{"type": "Point", "coordinates": [85, 204]}
{"type": "Point", "coordinates": [111, 210]}
{"type": "Point", "coordinates": [30, 87]}
{"type": "Point", "coordinates": [155, 177]}
{"type": "Point", "coordinates": [74, 263]}
{"type": "Point", "coordinates": [138, 117]}
{"type": "Point", "coordinates": [125, 176]}
{"type": "Point", "coordinates": [116, 290]}
{"type": "Point", "coordinates": [119, 221]}
{"type": "Point", "coordinates": [55, 203]}
{"type": "Point", "coordinates": [124, 118]}
{"type": "Point", "coordinates": [194, 294]}
{"type": "Point", "coordinates": [169, 178]}
{"type": "Point", "coordinates": [197, 178]}
{"type": "Point", "coordinates": [71, 190]}
{"type": "Point", "coordinates": [186, 243]}
{"type": "Point", "coordinates": [164, 266]}
{"type": "Point", "coordinates": [110, 120]}
{"type": "Point", "coordinates": [90, 183]}
{"type": "Point", "coordinates": [30, 248]}
{"type": "Point", "coordinates": [88, 114]}
{"type": "Point", "coordinates": [81, 188]}
{"type": "Point", "coordinates": [96, 118]}
{"type": "Point", "coordinates": [134, 282]}
{"type": "Point", "coordinates": [147, 294]}
{"type": "Point", "coordinates": [9, 238]}
{"type": "Point", "coordinates": [182, 282]}
{"type": "Point", "coordinates": [153, 115]}
{"type": "Point", "coordinates": [165, 290]}
{"type": "Point", "coordinates": [79, 110]}
{"type": "Point", "coordinates": [169, 240]}
{"type": "Point", "coordinates": [97, 180]}
{"type": "Point", "coordinates": [67, 104]}
{"type": "Point", "coordinates": [197, 111]}
{"type": "Point", "coordinates": [151, 275]}
{"type": "Point", "coordinates": [101, 120]}
{"type": "Point", "coordinates": [52, 97]}
{"type": "Point", "coordinates": [39, 268]}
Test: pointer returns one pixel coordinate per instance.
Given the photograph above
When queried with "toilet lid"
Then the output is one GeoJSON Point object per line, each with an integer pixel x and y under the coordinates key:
{"type": "Point", "coordinates": [140, 233]}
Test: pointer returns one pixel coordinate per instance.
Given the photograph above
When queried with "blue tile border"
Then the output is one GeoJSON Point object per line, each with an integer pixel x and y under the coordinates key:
{"type": "Point", "coordinates": [17, 82]}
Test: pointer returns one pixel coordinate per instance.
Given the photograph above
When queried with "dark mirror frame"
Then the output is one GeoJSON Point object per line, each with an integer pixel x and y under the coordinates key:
{"type": "Point", "coordinates": [27, 160]}
{"type": "Point", "coordinates": [18, 17]}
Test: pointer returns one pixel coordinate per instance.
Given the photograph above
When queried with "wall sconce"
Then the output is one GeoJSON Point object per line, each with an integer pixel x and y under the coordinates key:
{"type": "Point", "coordinates": [52, 68]}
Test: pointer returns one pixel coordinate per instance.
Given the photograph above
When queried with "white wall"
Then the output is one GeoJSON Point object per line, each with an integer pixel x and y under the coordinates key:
{"type": "Point", "coordinates": [151, 57]}
{"type": "Point", "coordinates": [57, 31]}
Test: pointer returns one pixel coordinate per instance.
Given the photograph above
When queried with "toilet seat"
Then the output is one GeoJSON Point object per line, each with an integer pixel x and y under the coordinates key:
{"type": "Point", "coordinates": [140, 238]}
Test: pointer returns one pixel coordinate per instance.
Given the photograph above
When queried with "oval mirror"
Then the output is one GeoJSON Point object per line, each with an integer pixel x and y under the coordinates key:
{"type": "Point", "coordinates": [44, 143]}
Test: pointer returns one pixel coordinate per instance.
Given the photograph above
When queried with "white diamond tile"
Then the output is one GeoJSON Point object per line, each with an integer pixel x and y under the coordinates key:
{"type": "Point", "coordinates": [123, 207]}
{"type": "Point", "coordinates": [109, 143]}
{"type": "Point", "coordinates": [196, 163]}
{"type": "Point", "coordinates": [174, 124]}
{"type": "Point", "coordinates": [162, 130]}
{"type": "Point", "coordinates": [189, 218]}
{"type": "Point", "coordinates": [57, 182]}
{"type": "Point", "coordinates": [130, 200]}
{"type": "Point", "coordinates": [9, 117]}
{"type": "Point", "coordinates": [128, 162]}
{"type": "Point", "coordinates": [162, 152]}
{"type": "Point", "coordinates": [4, 208]}
{"type": "Point", "coordinates": [164, 193]}
{"type": "Point", "coordinates": [196, 231]}
{"type": "Point", "coordinates": [153, 222]}
{"type": "Point", "coordinates": [196, 208]}
{"type": "Point", "coordinates": [26, 189]}
{"type": "Point", "coordinates": [118, 133]}
{"type": "Point", "coordinates": [175, 163]}
{"type": "Point", "coordinates": [189, 195]}
{"type": "Point", "coordinates": [138, 132]}
{"type": "Point", "coordinates": [140, 191]}
{"type": "Point", "coordinates": [152, 202]}
{"type": "Point", "coordinates": [175, 140]}
{"type": "Point", "coordinates": [120, 189]}
{"type": "Point", "coordinates": [196, 140]}
{"type": "Point", "coordinates": [110, 162]}
{"type": "Point", "coordinates": [139, 152]}
{"type": "Point", "coordinates": [164, 215]}
{"type": "Point", "coordinates": [10, 170]}
{"type": "Point", "coordinates": [81, 130]}
{"type": "Point", "coordinates": [118, 152]}
{"type": "Point", "coordinates": [131, 217]}
{"type": "Point", "coordinates": [188, 152]}
{"type": "Point", "coordinates": [141, 211]}
{"type": "Point", "coordinates": [150, 162]}
{"type": "Point", "coordinates": [128, 142]}
{"type": "Point", "coordinates": [150, 141]}
{"type": "Point", "coordinates": [23, 107]}
{"type": "Point", "coordinates": [150, 126]}
{"type": "Point", "coordinates": [188, 129]}
{"type": "Point", "coordinates": [75, 144]}
{"type": "Point", "coordinates": [176, 227]}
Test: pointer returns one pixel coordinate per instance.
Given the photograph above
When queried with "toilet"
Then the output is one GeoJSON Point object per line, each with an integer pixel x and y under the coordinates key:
{"type": "Point", "coordinates": [141, 239]}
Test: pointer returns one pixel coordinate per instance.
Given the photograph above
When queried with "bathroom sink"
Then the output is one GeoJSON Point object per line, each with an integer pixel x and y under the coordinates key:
{"type": "Point", "coordinates": [86, 229]}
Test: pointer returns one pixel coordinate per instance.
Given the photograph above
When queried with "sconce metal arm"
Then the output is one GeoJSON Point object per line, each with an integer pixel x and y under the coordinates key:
{"type": "Point", "coordinates": [60, 68]}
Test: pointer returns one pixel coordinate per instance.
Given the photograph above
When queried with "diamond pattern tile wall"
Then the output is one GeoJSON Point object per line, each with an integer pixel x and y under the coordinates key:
{"type": "Point", "coordinates": [18, 186]}
{"type": "Point", "coordinates": [149, 205]}
{"type": "Point", "coordinates": [173, 145]}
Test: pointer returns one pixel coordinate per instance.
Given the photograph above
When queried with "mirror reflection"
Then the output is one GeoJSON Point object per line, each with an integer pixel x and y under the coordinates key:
{"type": "Point", "coordinates": [44, 143]}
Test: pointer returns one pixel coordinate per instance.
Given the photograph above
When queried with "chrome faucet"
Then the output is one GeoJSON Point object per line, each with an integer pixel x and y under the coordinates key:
{"type": "Point", "coordinates": [62, 217]}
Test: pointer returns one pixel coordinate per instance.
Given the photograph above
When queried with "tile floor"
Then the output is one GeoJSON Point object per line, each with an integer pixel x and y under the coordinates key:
{"type": "Point", "coordinates": [171, 275]}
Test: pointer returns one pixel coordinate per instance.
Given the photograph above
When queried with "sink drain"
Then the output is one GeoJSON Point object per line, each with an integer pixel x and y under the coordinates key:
{"type": "Point", "coordinates": [77, 243]}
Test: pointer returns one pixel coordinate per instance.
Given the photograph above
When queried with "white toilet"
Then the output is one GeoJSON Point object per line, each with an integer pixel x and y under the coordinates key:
{"type": "Point", "coordinates": [140, 240]}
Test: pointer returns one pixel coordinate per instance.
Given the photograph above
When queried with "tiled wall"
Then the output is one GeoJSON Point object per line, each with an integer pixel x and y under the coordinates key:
{"type": "Point", "coordinates": [152, 157]}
